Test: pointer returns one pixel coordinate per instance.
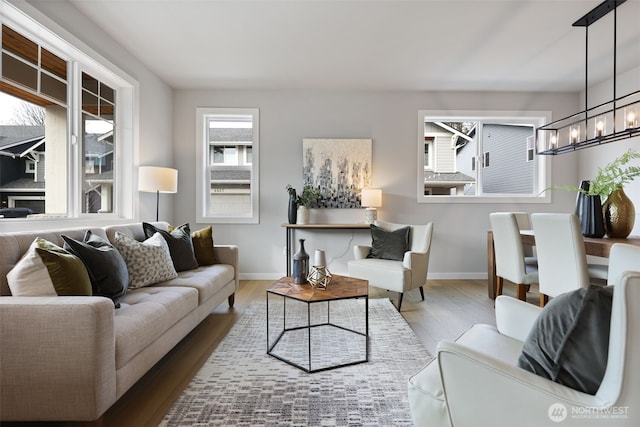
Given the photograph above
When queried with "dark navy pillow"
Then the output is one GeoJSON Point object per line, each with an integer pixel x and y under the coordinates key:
{"type": "Point", "coordinates": [569, 342]}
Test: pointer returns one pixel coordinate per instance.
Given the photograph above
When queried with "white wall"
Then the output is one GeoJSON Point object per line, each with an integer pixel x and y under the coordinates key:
{"type": "Point", "coordinates": [389, 118]}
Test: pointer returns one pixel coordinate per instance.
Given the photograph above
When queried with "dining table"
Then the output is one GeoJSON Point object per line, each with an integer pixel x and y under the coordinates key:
{"type": "Point", "coordinates": [598, 247]}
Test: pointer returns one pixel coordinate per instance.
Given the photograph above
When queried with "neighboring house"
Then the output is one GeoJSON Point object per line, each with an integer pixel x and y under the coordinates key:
{"type": "Point", "coordinates": [22, 162]}
{"type": "Point", "coordinates": [22, 169]}
{"type": "Point", "coordinates": [454, 166]}
{"type": "Point", "coordinates": [441, 174]}
{"type": "Point", "coordinates": [230, 154]}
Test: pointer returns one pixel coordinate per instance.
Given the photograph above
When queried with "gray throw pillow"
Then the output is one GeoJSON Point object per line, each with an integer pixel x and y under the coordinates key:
{"type": "Point", "coordinates": [569, 342]}
{"type": "Point", "coordinates": [180, 245]}
{"type": "Point", "coordinates": [106, 267]}
{"type": "Point", "coordinates": [389, 244]}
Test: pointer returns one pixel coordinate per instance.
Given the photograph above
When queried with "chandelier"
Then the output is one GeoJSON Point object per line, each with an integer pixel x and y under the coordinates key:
{"type": "Point", "coordinates": [607, 122]}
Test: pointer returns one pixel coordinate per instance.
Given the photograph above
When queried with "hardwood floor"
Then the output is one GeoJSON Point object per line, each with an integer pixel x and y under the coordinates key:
{"type": "Point", "coordinates": [450, 307]}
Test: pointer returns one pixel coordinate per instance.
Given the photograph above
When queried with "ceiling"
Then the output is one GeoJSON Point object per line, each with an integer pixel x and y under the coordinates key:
{"type": "Point", "coordinates": [477, 45]}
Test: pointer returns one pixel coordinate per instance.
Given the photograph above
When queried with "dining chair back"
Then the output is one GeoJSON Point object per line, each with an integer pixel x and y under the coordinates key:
{"type": "Point", "coordinates": [509, 254]}
{"type": "Point", "coordinates": [562, 259]}
{"type": "Point", "coordinates": [623, 257]}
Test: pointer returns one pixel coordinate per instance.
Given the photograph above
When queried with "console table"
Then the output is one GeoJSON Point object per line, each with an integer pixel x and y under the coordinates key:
{"type": "Point", "coordinates": [289, 229]}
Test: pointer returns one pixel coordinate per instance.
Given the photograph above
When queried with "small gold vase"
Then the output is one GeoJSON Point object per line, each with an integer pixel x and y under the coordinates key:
{"type": "Point", "coordinates": [619, 214]}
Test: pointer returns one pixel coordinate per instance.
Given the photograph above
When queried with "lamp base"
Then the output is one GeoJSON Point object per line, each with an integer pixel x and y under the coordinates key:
{"type": "Point", "coordinates": [370, 215]}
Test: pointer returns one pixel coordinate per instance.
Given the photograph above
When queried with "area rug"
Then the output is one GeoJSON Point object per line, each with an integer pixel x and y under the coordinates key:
{"type": "Point", "coordinates": [240, 385]}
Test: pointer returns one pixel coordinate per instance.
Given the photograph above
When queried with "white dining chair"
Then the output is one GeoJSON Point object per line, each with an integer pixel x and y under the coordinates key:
{"type": "Point", "coordinates": [509, 255]}
{"type": "Point", "coordinates": [524, 223]}
{"type": "Point", "coordinates": [622, 257]}
{"type": "Point", "coordinates": [562, 259]}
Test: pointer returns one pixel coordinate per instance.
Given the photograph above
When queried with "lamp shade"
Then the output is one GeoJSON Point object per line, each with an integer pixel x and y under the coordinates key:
{"type": "Point", "coordinates": [157, 179]}
{"type": "Point", "coordinates": [371, 197]}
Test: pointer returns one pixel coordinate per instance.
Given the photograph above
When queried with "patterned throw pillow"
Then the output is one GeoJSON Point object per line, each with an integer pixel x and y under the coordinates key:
{"type": "Point", "coordinates": [148, 262]}
{"type": "Point", "coordinates": [48, 270]}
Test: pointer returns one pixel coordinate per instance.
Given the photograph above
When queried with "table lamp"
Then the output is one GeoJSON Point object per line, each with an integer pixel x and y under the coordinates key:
{"type": "Point", "coordinates": [153, 179]}
{"type": "Point", "coordinates": [371, 199]}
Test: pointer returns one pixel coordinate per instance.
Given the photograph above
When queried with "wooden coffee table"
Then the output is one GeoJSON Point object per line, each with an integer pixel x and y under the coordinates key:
{"type": "Point", "coordinates": [341, 288]}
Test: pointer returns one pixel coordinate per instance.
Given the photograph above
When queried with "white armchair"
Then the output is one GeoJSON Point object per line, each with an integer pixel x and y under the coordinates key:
{"type": "Point", "coordinates": [397, 276]}
{"type": "Point", "coordinates": [475, 381]}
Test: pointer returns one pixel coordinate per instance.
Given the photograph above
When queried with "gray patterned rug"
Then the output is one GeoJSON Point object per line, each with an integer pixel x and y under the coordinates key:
{"type": "Point", "coordinates": [240, 385]}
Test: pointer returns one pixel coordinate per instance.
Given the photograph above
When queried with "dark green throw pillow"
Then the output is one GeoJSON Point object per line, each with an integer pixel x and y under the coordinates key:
{"type": "Point", "coordinates": [389, 244]}
{"type": "Point", "coordinates": [106, 267]}
{"type": "Point", "coordinates": [180, 245]}
{"type": "Point", "coordinates": [569, 342]}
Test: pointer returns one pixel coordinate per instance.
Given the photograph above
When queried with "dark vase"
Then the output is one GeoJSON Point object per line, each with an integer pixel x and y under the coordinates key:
{"type": "Point", "coordinates": [293, 211]}
{"type": "Point", "coordinates": [619, 214]}
{"type": "Point", "coordinates": [300, 265]}
{"type": "Point", "coordinates": [589, 211]}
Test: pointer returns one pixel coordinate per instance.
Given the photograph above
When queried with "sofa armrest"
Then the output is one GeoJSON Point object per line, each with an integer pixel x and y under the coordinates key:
{"type": "Point", "coordinates": [479, 387]}
{"type": "Point", "coordinates": [228, 254]}
{"type": "Point", "coordinates": [514, 318]}
{"type": "Point", "coordinates": [57, 357]}
{"type": "Point", "coordinates": [361, 251]}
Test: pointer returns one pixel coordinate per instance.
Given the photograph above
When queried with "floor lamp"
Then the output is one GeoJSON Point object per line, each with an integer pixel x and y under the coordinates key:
{"type": "Point", "coordinates": [153, 179]}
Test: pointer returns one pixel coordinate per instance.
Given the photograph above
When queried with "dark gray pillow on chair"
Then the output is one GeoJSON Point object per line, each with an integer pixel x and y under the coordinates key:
{"type": "Point", "coordinates": [389, 244]}
{"type": "Point", "coordinates": [569, 342]}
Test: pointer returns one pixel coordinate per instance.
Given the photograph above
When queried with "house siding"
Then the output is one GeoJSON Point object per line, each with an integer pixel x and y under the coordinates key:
{"type": "Point", "coordinates": [508, 171]}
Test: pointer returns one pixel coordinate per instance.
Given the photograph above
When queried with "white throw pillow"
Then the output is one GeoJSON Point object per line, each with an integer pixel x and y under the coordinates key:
{"type": "Point", "coordinates": [148, 262]}
{"type": "Point", "coordinates": [30, 277]}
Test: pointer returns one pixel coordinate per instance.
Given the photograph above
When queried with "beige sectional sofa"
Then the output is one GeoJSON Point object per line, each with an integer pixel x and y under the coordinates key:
{"type": "Point", "coordinates": [71, 357]}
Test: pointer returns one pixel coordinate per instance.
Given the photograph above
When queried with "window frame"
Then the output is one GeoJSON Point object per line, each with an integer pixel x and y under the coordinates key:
{"type": "Point", "coordinates": [542, 174]}
{"type": "Point", "coordinates": [82, 58]}
{"type": "Point", "coordinates": [202, 168]}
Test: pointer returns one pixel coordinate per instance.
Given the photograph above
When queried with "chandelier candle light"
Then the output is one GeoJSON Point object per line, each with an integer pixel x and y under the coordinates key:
{"type": "Point", "coordinates": [608, 122]}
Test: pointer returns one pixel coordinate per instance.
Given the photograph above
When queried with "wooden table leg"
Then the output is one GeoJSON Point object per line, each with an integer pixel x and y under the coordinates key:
{"type": "Point", "coordinates": [491, 266]}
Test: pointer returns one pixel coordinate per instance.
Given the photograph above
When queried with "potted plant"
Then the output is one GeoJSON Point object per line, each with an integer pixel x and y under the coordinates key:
{"type": "Point", "coordinates": [617, 213]}
{"type": "Point", "coordinates": [302, 201]}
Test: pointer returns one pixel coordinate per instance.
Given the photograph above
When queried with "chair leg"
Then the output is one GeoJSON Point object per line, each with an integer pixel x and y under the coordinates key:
{"type": "Point", "coordinates": [400, 300]}
{"type": "Point", "coordinates": [499, 283]}
{"type": "Point", "coordinates": [544, 299]}
{"type": "Point", "coordinates": [422, 292]}
{"type": "Point", "coordinates": [522, 292]}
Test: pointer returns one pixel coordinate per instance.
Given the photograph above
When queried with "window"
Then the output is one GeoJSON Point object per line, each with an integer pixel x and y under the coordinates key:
{"type": "Point", "coordinates": [479, 156]}
{"type": "Point", "coordinates": [227, 151]}
{"type": "Point", "coordinates": [77, 160]}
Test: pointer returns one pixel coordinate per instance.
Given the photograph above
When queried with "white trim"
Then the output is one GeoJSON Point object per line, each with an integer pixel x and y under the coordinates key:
{"type": "Point", "coordinates": [202, 169]}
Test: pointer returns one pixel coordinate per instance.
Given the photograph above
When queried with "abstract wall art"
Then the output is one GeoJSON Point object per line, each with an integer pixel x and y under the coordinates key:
{"type": "Point", "coordinates": [339, 168]}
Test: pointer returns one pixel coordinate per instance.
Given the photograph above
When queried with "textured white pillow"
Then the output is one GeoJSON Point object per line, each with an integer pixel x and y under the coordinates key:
{"type": "Point", "coordinates": [30, 277]}
{"type": "Point", "coordinates": [148, 262]}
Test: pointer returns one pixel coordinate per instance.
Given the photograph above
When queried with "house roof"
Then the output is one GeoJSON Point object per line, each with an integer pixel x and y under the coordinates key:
{"type": "Point", "coordinates": [16, 141]}
{"type": "Point", "coordinates": [447, 178]}
{"type": "Point", "coordinates": [22, 184]}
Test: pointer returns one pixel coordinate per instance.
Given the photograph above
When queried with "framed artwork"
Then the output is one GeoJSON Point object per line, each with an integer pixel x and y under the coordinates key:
{"type": "Point", "coordinates": [339, 168]}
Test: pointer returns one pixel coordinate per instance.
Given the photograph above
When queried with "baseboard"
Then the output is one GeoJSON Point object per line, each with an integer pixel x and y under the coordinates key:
{"type": "Point", "coordinates": [431, 276]}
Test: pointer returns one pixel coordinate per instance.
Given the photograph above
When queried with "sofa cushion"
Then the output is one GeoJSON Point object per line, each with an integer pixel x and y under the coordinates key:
{"type": "Point", "coordinates": [180, 245]}
{"type": "Point", "coordinates": [147, 313]}
{"type": "Point", "coordinates": [569, 342]}
{"type": "Point", "coordinates": [389, 244]}
{"type": "Point", "coordinates": [147, 262]}
{"type": "Point", "coordinates": [46, 270]}
{"type": "Point", "coordinates": [106, 267]}
{"type": "Point", "coordinates": [207, 280]}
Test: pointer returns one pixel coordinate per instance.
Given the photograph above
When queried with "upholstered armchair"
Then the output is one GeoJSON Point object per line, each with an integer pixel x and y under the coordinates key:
{"type": "Point", "coordinates": [476, 381]}
{"type": "Point", "coordinates": [397, 275]}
